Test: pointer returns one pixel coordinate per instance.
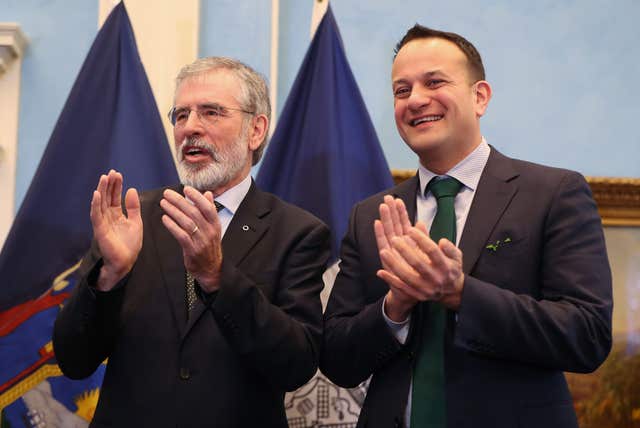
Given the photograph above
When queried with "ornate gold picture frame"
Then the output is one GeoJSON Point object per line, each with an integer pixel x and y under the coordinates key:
{"type": "Point", "coordinates": [618, 200]}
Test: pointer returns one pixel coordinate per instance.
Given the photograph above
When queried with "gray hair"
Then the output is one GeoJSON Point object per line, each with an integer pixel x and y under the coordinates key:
{"type": "Point", "coordinates": [254, 93]}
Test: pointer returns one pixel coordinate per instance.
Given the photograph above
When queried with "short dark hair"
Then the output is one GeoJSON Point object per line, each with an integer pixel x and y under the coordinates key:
{"type": "Point", "coordinates": [476, 69]}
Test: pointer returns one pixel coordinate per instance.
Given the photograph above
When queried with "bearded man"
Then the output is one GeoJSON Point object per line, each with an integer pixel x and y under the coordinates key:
{"type": "Point", "coordinates": [203, 297]}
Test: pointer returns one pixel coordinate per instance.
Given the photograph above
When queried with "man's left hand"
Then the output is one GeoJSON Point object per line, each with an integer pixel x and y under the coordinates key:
{"type": "Point", "coordinates": [193, 220]}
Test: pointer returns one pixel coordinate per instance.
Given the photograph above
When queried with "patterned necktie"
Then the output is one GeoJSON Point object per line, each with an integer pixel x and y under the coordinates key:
{"type": "Point", "coordinates": [428, 395]}
{"type": "Point", "coordinates": [190, 283]}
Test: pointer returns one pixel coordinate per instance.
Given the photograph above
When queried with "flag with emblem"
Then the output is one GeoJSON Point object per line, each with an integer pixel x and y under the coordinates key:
{"type": "Point", "coordinates": [110, 120]}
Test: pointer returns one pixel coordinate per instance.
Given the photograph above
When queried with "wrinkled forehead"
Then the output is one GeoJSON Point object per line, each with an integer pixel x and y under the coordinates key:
{"type": "Point", "coordinates": [218, 85]}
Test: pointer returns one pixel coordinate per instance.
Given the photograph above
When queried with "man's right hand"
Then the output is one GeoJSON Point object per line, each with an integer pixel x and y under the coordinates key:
{"type": "Point", "coordinates": [393, 223]}
{"type": "Point", "coordinates": [119, 237]}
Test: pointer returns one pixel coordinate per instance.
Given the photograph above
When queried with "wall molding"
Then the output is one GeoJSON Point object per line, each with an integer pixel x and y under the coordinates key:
{"type": "Point", "coordinates": [618, 199]}
{"type": "Point", "coordinates": [12, 45]}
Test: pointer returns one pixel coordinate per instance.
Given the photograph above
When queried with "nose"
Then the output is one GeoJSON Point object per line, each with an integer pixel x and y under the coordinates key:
{"type": "Point", "coordinates": [193, 124]}
{"type": "Point", "coordinates": [419, 98]}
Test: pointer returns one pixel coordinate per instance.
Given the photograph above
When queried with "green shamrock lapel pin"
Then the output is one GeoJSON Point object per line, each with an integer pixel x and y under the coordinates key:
{"type": "Point", "coordinates": [494, 247]}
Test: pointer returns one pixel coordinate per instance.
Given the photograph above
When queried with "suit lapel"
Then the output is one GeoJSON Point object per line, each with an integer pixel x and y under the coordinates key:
{"type": "Point", "coordinates": [495, 191]}
{"type": "Point", "coordinates": [170, 263]}
{"type": "Point", "coordinates": [407, 191]}
{"type": "Point", "coordinates": [248, 225]}
{"type": "Point", "coordinates": [197, 310]}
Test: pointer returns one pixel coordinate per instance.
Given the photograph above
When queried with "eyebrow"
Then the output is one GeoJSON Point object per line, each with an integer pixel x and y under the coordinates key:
{"type": "Point", "coordinates": [212, 105]}
{"type": "Point", "coordinates": [424, 75]}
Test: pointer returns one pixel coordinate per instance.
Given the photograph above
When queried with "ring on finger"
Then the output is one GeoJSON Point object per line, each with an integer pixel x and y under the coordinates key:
{"type": "Point", "coordinates": [195, 229]}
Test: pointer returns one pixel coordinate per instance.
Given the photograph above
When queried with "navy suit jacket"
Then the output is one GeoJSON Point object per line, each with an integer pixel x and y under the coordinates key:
{"type": "Point", "coordinates": [230, 363]}
{"type": "Point", "coordinates": [531, 308]}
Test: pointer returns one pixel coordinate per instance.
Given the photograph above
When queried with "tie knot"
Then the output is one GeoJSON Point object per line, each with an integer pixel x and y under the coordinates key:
{"type": "Point", "coordinates": [218, 205]}
{"type": "Point", "coordinates": [444, 187]}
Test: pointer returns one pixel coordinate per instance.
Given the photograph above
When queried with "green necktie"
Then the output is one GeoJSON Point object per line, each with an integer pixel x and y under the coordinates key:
{"type": "Point", "coordinates": [428, 406]}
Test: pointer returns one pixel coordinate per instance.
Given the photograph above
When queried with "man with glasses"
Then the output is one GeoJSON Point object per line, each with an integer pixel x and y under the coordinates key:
{"type": "Point", "coordinates": [204, 297]}
{"type": "Point", "coordinates": [468, 292]}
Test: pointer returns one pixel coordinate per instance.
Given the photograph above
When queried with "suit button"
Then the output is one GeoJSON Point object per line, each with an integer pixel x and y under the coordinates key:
{"type": "Point", "coordinates": [184, 373]}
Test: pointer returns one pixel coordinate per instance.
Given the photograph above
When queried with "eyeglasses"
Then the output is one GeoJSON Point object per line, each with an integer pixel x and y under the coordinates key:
{"type": "Point", "coordinates": [207, 113]}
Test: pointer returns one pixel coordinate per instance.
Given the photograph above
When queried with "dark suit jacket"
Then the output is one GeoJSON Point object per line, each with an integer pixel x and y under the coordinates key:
{"type": "Point", "coordinates": [230, 364]}
{"type": "Point", "coordinates": [535, 307]}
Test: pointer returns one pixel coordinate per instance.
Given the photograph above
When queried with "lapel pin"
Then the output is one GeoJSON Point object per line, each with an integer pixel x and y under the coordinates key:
{"type": "Point", "coordinates": [494, 247]}
{"type": "Point", "coordinates": [245, 227]}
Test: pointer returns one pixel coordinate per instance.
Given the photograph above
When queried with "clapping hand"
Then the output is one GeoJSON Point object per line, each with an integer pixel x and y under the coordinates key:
{"type": "Point", "coordinates": [119, 236]}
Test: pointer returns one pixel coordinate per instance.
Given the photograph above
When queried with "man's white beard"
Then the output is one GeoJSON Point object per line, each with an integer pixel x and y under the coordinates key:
{"type": "Point", "coordinates": [226, 163]}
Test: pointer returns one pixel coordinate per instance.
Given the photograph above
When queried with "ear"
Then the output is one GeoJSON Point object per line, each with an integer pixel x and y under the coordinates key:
{"type": "Point", "coordinates": [482, 96]}
{"type": "Point", "coordinates": [258, 128]}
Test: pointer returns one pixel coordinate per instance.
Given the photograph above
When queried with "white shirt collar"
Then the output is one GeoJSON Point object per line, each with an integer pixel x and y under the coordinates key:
{"type": "Point", "coordinates": [467, 171]}
{"type": "Point", "coordinates": [232, 198]}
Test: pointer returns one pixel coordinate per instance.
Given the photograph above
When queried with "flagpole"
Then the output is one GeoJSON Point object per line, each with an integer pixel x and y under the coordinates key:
{"type": "Point", "coordinates": [273, 69]}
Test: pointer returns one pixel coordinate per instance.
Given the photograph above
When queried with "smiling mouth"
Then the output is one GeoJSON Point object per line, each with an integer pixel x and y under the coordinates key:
{"type": "Point", "coordinates": [431, 118]}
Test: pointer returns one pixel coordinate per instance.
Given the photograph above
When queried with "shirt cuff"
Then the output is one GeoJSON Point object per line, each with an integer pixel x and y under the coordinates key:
{"type": "Point", "coordinates": [400, 330]}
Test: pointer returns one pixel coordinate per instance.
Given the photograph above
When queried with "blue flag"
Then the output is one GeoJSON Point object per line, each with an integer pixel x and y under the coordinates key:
{"type": "Point", "coordinates": [324, 155]}
{"type": "Point", "coordinates": [110, 120]}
